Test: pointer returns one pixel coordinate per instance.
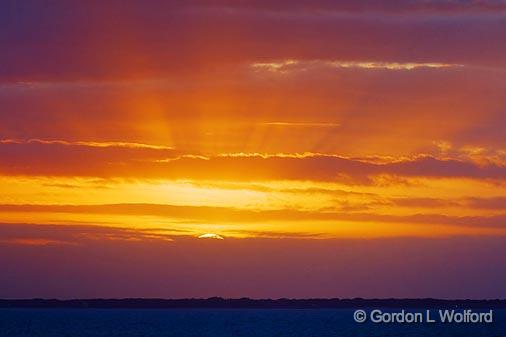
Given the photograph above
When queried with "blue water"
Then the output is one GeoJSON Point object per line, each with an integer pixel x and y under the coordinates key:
{"type": "Point", "coordinates": [221, 323]}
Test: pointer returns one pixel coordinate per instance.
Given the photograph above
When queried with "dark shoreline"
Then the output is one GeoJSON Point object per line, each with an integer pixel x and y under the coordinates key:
{"type": "Point", "coordinates": [246, 303]}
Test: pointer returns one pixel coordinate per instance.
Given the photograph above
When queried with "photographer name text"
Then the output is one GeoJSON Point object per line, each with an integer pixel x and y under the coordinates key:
{"type": "Point", "coordinates": [426, 316]}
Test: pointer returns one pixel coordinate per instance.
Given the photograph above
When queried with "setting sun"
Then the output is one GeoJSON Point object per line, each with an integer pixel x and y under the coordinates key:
{"type": "Point", "coordinates": [210, 236]}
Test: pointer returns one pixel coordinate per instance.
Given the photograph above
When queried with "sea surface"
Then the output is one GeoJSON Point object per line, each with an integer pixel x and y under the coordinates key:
{"type": "Point", "coordinates": [222, 323]}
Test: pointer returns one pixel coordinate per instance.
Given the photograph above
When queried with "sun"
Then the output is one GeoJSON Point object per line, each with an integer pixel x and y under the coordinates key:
{"type": "Point", "coordinates": [211, 236]}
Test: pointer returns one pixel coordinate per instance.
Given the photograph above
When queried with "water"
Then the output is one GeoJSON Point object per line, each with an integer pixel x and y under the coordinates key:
{"type": "Point", "coordinates": [221, 323]}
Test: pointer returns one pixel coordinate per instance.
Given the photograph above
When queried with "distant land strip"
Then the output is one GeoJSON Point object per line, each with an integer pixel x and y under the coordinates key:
{"type": "Point", "coordinates": [247, 303]}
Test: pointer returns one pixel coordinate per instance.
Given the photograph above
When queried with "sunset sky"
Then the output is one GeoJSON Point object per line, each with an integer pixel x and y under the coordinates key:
{"type": "Point", "coordinates": [253, 148]}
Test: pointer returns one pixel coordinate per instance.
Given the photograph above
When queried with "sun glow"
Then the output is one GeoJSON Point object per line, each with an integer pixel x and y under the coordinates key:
{"type": "Point", "coordinates": [211, 236]}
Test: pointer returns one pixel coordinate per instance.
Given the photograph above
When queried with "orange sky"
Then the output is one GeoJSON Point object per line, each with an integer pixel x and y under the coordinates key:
{"type": "Point", "coordinates": [317, 121]}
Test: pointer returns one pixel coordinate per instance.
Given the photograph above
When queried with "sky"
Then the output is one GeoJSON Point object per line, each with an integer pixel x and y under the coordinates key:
{"type": "Point", "coordinates": [253, 148]}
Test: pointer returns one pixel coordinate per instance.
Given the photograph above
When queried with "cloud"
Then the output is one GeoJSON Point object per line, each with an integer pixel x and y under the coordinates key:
{"type": "Point", "coordinates": [368, 6]}
{"type": "Point", "coordinates": [76, 234]}
{"type": "Point", "coordinates": [487, 203]}
{"type": "Point", "coordinates": [60, 158]}
{"type": "Point", "coordinates": [229, 215]}
{"type": "Point", "coordinates": [233, 108]}
{"type": "Point", "coordinates": [140, 41]}
{"type": "Point", "coordinates": [33, 242]}
{"type": "Point", "coordinates": [483, 203]}
{"type": "Point", "coordinates": [350, 111]}
{"type": "Point", "coordinates": [285, 66]}
{"type": "Point", "coordinates": [303, 125]}
{"type": "Point", "coordinates": [189, 267]}
{"type": "Point", "coordinates": [88, 144]}
{"type": "Point", "coordinates": [81, 158]}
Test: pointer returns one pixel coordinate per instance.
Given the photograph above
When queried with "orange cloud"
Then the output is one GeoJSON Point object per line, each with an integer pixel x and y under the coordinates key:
{"type": "Point", "coordinates": [60, 158]}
